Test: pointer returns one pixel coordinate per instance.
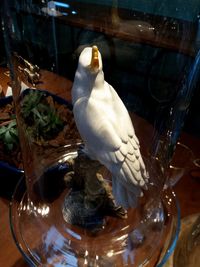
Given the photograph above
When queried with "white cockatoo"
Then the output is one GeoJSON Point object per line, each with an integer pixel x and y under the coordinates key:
{"type": "Point", "coordinates": [106, 128]}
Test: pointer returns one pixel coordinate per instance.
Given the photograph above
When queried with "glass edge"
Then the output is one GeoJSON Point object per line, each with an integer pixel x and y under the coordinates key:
{"type": "Point", "coordinates": [17, 243]}
{"type": "Point", "coordinates": [177, 231]}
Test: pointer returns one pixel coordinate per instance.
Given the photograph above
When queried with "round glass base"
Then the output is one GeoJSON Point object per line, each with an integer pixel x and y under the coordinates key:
{"type": "Point", "coordinates": [145, 237]}
{"type": "Point", "coordinates": [45, 239]}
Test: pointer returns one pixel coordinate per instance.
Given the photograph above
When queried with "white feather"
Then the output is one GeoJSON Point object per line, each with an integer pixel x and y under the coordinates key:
{"type": "Point", "coordinates": [106, 128]}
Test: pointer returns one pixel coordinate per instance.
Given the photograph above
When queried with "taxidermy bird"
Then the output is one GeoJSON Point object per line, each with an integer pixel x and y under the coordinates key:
{"type": "Point", "coordinates": [106, 129]}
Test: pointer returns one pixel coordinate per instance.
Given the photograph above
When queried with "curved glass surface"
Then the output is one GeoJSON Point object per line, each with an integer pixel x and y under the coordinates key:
{"type": "Point", "coordinates": [43, 238]}
{"type": "Point", "coordinates": [146, 54]}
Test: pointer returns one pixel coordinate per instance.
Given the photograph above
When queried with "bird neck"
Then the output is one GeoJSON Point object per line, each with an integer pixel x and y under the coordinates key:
{"type": "Point", "coordinates": [99, 80]}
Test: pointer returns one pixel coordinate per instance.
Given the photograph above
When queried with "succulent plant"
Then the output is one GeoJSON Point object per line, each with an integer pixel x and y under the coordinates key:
{"type": "Point", "coordinates": [41, 117]}
{"type": "Point", "coordinates": [9, 134]}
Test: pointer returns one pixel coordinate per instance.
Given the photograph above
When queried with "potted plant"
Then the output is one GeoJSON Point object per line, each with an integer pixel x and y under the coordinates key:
{"type": "Point", "coordinates": [49, 121]}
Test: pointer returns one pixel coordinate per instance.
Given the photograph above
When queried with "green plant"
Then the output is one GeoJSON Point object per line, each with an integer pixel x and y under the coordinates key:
{"type": "Point", "coordinates": [30, 103]}
{"type": "Point", "coordinates": [9, 135]}
{"type": "Point", "coordinates": [46, 122]}
{"type": "Point", "coordinates": [40, 116]}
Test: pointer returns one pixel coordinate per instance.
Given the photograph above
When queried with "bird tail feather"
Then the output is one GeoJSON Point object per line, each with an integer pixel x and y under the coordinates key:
{"type": "Point", "coordinates": [125, 197]}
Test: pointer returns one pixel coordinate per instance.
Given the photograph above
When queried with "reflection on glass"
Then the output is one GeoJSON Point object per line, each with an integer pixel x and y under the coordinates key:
{"type": "Point", "coordinates": [181, 163]}
{"type": "Point", "coordinates": [187, 250]}
{"type": "Point", "coordinates": [197, 162]}
{"type": "Point", "coordinates": [150, 56]}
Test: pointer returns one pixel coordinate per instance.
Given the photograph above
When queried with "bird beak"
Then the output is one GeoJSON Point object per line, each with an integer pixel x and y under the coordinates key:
{"type": "Point", "coordinates": [94, 65]}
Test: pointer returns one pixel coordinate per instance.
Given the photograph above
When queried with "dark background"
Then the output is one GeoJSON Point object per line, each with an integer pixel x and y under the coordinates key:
{"type": "Point", "coordinates": [145, 77]}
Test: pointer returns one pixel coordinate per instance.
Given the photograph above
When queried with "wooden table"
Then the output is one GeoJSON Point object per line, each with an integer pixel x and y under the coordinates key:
{"type": "Point", "coordinates": [187, 189]}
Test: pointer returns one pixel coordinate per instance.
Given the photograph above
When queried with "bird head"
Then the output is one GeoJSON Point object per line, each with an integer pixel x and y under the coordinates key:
{"type": "Point", "coordinates": [90, 58]}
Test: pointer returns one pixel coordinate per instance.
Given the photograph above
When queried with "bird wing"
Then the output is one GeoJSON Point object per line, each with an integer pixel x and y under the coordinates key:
{"type": "Point", "coordinates": [110, 141]}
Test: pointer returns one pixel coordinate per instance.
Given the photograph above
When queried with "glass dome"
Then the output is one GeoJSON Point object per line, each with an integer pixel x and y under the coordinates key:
{"type": "Point", "coordinates": [70, 209]}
